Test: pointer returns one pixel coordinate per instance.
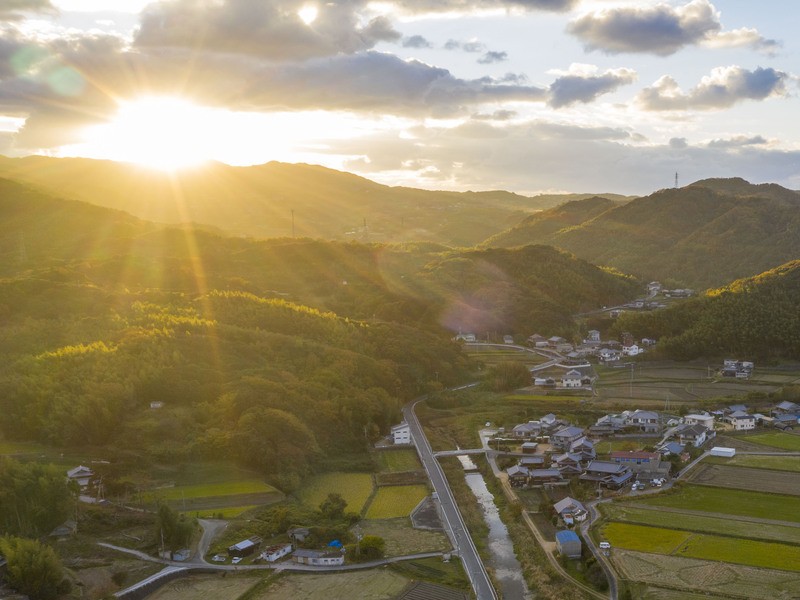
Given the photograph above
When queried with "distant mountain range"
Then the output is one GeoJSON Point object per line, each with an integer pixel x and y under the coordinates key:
{"type": "Point", "coordinates": [702, 235]}
{"type": "Point", "coordinates": [282, 200]}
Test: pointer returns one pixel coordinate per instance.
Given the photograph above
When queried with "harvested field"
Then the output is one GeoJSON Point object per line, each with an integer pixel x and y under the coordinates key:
{"type": "Point", "coordinates": [372, 584]}
{"type": "Point", "coordinates": [355, 488]}
{"type": "Point", "coordinates": [401, 538]}
{"type": "Point", "coordinates": [702, 523]}
{"type": "Point", "coordinates": [728, 581]}
{"type": "Point", "coordinates": [398, 461]}
{"type": "Point", "coordinates": [729, 501]}
{"type": "Point", "coordinates": [777, 463]}
{"type": "Point", "coordinates": [396, 501]}
{"type": "Point", "coordinates": [205, 587]}
{"type": "Point", "coordinates": [745, 478]}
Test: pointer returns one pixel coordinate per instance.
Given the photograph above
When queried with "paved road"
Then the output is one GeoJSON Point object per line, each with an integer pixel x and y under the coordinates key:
{"type": "Point", "coordinates": [602, 558]}
{"type": "Point", "coordinates": [454, 524]}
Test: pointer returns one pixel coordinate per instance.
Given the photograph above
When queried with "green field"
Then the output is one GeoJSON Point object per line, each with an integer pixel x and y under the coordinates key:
{"type": "Point", "coordinates": [231, 488]}
{"type": "Point", "coordinates": [355, 488]}
{"type": "Point", "coordinates": [228, 512]}
{"type": "Point", "coordinates": [730, 501]}
{"type": "Point", "coordinates": [7, 447]}
{"type": "Point", "coordinates": [701, 523]}
{"type": "Point", "coordinates": [398, 461]}
{"type": "Point", "coordinates": [776, 439]}
{"type": "Point", "coordinates": [744, 552]}
{"type": "Point", "coordinates": [643, 538]}
{"type": "Point", "coordinates": [775, 463]}
{"type": "Point", "coordinates": [396, 501]}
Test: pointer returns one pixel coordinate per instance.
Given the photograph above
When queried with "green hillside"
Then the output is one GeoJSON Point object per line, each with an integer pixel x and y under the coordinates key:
{"type": "Point", "coordinates": [702, 235]}
{"type": "Point", "coordinates": [757, 317]}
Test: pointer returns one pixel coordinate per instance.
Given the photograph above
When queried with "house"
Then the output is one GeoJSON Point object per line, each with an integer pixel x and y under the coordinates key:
{"type": "Point", "coordinates": [705, 420]}
{"type": "Point", "coordinates": [571, 379]}
{"type": "Point", "coordinates": [518, 476]}
{"type": "Point", "coordinates": [80, 475]}
{"type": "Point", "coordinates": [276, 552]}
{"type": "Point", "coordinates": [654, 287]}
{"type": "Point", "coordinates": [562, 438]}
{"type": "Point", "coordinates": [537, 341]}
{"type": "Point", "coordinates": [66, 529]}
{"type": "Point", "coordinates": [646, 421]}
{"type": "Point", "coordinates": [609, 355]}
{"type": "Point", "coordinates": [529, 447]}
{"type": "Point", "coordinates": [507, 339]}
{"type": "Point", "coordinates": [527, 430]}
{"type": "Point", "coordinates": [567, 464]}
{"type": "Point", "coordinates": [786, 408]}
{"type": "Point", "coordinates": [632, 350]}
{"type": "Point", "coordinates": [584, 447]}
{"type": "Point", "coordinates": [541, 476]}
{"type": "Point", "coordinates": [556, 341]}
{"type": "Point", "coordinates": [401, 434]}
{"type": "Point", "coordinates": [549, 421]}
{"type": "Point", "coordinates": [465, 337]}
{"type": "Point", "coordinates": [696, 435]}
{"type": "Point", "coordinates": [593, 335]}
{"type": "Point", "coordinates": [245, 547]}
{"type": "Point", "coordinates": [741, 421]}
{"type": "Point", "coordinates": [609, 474]}
{"type": "Point", "coordinates": [322, 558]}
{"type": "Point", "coordinates": [671, 448]}
{"type": "Point", "coordinates": [570, 510]}
{"type": "Point", "coordinates": [531, 462]}
{"type": "Point", "coordinates": [568, 544]}
{"type": "Point", "coordinates": [637, 461]}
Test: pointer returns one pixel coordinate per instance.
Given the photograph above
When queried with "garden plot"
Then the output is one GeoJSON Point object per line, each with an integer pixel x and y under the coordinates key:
{"type": "Point", "coordinates": [745, 478]}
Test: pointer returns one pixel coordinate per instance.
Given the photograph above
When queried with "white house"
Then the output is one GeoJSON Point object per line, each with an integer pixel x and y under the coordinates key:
{"type": "Point", "coordinates": [741, 421]}
{"type": "Point", "coordinates": [465, 337]}
{"type": "Point", "coordinates": [273, 553]}
{"type": "Point", "coordinates": [571, 379]}
{"type": "Point", "coordinates": [401, 434]}
{"type": "Point", "coordinates": [696, 435]}
{"type": "Point", "coordinates": [705, 420]}
{"type": "Point", "coordinates": [507, 339]}
{"type": "Point", "coordinates": [328, 558]}
{"type": "Point", "coordinates": [81, 475]}
{"type": "Point", "coordinates": [632, 350]}
{"type": "Point", "coordinates": [646, 420]}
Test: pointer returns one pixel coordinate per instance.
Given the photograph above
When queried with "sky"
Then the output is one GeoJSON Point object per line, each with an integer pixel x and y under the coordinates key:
{"type": "Point", "coordinates": [529, 96]}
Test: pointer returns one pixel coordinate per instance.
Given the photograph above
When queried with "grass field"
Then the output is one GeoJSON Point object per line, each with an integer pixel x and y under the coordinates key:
{"type": "Point", "coordinates": [230, 488]}
{"type": "Point", "coordinates": [777, 463]}
{"type": "Point", "coordinates": [372, 584]}
{"type": "Point", "coordinates": [401, 538]}
{"type": "Point", "coordinates": [701, 523]}
{"type": "Point", "coordinates": [643, 538]}
{"type": "Point", "coordinates": [205, 587]}
{"type": "Point", "coordinates": [608, 446]}
{"type": "Point", "coordinates": [396, 501]}
{"type": "Point", "coordinates": [355, 488]}
{"type": "Point", "coordinates": [12, 448]}
{"type": "Point", "coordinates": [777, 439]}
{"type": "Point", "coordinates": [746, 478]}
{"type": "Point", "coordinates": [728, 501]}
{"type": "Point", "coordinates": [398, 461]}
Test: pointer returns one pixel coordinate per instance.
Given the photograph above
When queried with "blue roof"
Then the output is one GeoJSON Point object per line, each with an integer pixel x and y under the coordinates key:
{"type": "Point", "coordinates": [567, 536]}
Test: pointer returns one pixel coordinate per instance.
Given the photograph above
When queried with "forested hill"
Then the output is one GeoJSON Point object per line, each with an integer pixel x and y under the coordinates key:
{"type": "Point", "coordinates": [694, 236]}
{"type": "Point", "coordinates": [277, 199]}
{"type": "Point", "coordinates": [757, 317]}
{"type": "Point", "coordinates": [294, 348]}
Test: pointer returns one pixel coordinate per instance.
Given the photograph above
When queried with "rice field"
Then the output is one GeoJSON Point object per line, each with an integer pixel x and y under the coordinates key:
{"type": "Point", "coordinates": [777, 439]}
{"type": "Point", "coordinates": [355, 488]}
{"type": "Point", "coordinates": [643, 538]}
{"type": "Point", "coordinates": [398, 461]}
{"type": "Point", "coordinates": [396, 501]}
{"type": "Point", "coordinates": [230, 488]}
{"type": "Point", "coordinates": [775, 463]}
{"type": "Point", "coordinates": [746, 478]}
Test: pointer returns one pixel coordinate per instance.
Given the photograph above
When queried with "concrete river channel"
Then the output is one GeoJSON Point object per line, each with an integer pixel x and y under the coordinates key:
{"type": "Point", "coordinates": [503, 561]}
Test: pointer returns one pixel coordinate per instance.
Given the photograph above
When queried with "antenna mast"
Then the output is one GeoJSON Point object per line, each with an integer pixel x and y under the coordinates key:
{"type": "Point", "coordinates": [676, 179]}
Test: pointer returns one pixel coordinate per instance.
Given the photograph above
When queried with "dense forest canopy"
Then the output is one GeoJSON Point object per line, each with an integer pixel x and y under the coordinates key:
{"type": "Point", "coordinates": [756, 317]}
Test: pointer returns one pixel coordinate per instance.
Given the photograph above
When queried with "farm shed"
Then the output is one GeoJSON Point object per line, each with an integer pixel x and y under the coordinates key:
{"type": "Point", "coordinates": [722, 451]}
{"type": "Point", "coordinates": [246, 547]}
{"type": "Point", "coordinates": [568, 544]}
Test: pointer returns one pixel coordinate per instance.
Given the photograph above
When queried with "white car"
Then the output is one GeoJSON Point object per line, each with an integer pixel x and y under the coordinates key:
{"type": "Point", "coordinates": [236, 560]}
{"type": "Point", "coordinates": [605, 545]}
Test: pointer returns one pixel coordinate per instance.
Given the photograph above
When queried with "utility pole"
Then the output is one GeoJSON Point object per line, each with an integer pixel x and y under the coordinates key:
{"type": "Point", "coordinates": [292, 222]}
{"type": "Point", "coordinates": [676, 179]}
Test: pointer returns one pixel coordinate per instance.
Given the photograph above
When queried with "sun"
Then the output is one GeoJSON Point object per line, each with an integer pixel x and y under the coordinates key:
{"type": "Point", "coordinates": [161, 132]}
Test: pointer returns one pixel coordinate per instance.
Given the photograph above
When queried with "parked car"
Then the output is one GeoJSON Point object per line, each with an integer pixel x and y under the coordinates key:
{"type": "Point", "coordinates": [236, 560]}
{"type": "Point", "coordinates": [605, 545]}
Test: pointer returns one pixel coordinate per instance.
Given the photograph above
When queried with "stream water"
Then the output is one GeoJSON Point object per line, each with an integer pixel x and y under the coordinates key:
{"type": "Point", "coordinates": [507, 569]}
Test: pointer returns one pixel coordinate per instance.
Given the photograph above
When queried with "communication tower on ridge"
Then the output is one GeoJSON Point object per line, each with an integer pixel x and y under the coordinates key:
{"type": "Point", "coordinates": [676, 180]}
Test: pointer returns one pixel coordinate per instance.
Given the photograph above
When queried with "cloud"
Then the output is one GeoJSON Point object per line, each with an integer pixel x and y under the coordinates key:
{"type": "Point", "coordinates": [498, 115]}
{"type": "Point", "coordinates": [374, 81]}
{"type": "Point", "coordinates": [449, 6]}
{"type": "Point", "coordinates": [659, 29]}
{"type": "Point", "coordinates": [738, 141]}
{"type": "Point", "coordinates": [578, 85]}
{"type": "Point", "coordinates": [493, 57]}
{"type": "Point", "coordinates": [416, 41]}
{"type": "Point", "coordinates": [742, 38]}
{"type": "Point", "coordinates": [11, 10]}
{"type": "Point", "coordinates": [724, 87]}
{"type": "Point", "coordinates": [270, 29]}
{"type": "Point", "coordinates": [678, 143]}
{"type": "Point", "coordinates": [470, 46]}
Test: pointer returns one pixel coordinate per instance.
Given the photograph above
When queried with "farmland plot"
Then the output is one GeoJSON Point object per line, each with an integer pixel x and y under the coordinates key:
{"type": "Point", "coordinates": [729, 581]}
{"type": "Point", "coordinates": [364, 585]}
{"type": "Point", "coordinates": [778, 463]}
{"type": "Point", "coordinates": [396, 501]}
{"type": "Point", "coordinates": [398, 461]}
{"type": "Point", "coordinates": [355, 488]}
{"type": "Point", "coordinates": [776, 439]}
{"type": "Point", "coordinates": [205, 587]}
{"type": "Point", "coordinates": [745, 478]}
{"type": "Point", "coordinates": [401, 538]}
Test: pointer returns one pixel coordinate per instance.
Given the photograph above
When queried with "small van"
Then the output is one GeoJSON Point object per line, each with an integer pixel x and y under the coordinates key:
{"type": "Point", "coordinates": [605, 545]}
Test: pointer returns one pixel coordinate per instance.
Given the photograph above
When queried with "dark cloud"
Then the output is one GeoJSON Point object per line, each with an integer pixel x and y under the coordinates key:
{"type": "Point", "coordinates": [659, 29]}
{"type": "Point", "coordinates": [678, 143]}
{"type": "Point", "coordinates": [723, 88]}
{"type": "Point", "coordinates": [416, 41]}
{"type": "Point", "coordinates": [270, 29]}
{"type": "Point", "coordinates": [493, 57]}
{"type": "Point", "coordinates": [571, 88]}
{"type": "Point", "coordinates": [472, 46]}
{"type": "Point", "coordinates": [738, 142]}
{"type": "Point", "coordinates": [11, 10]}
{"type": "Point", "coordinates": [377, 81]}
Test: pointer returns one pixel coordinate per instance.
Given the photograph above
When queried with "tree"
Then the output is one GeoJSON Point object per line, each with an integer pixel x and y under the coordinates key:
{"type": "Point", "coordinates": [33, 568]}
{"type": "Point", "coordinates": [372, 547]}
{"type": "Point", "coordinates": [333, 507]}
{"type": "Point", "coordinates": [174, 530]}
